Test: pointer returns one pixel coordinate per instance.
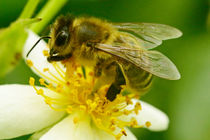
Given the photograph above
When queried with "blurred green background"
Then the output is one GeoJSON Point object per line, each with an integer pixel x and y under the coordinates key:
{"type": "Point", "coordinates": [187, 101]}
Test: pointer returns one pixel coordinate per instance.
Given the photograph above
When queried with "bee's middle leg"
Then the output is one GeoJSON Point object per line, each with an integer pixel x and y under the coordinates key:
{"type": "Point", "coordinates": [102, 77]}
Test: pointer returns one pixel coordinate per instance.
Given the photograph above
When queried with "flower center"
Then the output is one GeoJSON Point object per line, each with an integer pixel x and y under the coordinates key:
{"type": "Point", "coordinates": [73, 91]}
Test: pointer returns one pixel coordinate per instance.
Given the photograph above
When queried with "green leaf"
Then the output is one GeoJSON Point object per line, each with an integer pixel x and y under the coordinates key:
{"type": "Point", "coordinates": [12, 40]}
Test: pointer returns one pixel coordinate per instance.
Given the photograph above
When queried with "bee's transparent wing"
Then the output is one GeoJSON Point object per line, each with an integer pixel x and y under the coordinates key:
{"type": "Point", "coordinates": [151, 61]}
{"type": "Point", "coordinates": [150, 34]}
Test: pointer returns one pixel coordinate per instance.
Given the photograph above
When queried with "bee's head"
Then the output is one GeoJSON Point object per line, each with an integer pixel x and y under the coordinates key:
{"type": "Point", "coordinates": [60, 39]}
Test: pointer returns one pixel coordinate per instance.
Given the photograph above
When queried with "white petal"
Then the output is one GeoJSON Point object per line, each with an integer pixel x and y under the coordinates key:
{"type": "Point", "coordinates": [37, 135]}
{"type": "Point", "coordinates": [102, 135]}
{"type": "Point", "coordinates": [37, 57]}
{"type": "Point", "coordinates": [83, 130]}
{"type": "Point", "coordinates": [67, 130]}
{"type": "Point", "coordinates": [159, 120]}
{"type": "Point", "coordinates": [23, 112]}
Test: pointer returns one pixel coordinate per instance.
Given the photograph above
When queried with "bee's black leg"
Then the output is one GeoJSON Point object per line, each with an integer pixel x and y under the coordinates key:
{"type": "Point", "coordinates": [58, 57]}
{"type": "Point", "coordinates": [115, 87]}
{"type": "Point", "coordinates": [113, 91]}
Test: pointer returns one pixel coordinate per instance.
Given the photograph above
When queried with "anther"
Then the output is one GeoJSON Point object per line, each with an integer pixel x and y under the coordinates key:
{"type": "Point", "coordinates": [134, 122]}
{"type": "Point", "coordinates": [40, 92]}
{"type": "Point", "coordinates": [31, 81]}
{"type": "Point", "coordinates": [82, 107]}
{"type": "Point", "coordinates": [108, 113]}
{"type": "Point", "coordinates": [75, 120]}
{"type": "Point", "coordinates": [41, 81]}
{"type": "Point", "coordinates": [48, 101]}
{"type": "Point", "coordinates": [126, 112]}
{"type": "Point", "coordinates": [29, 63]}
{"type": "Point", "coordinates": [128, 101]}
{"type": "Point", "coordinates": [88, 102]}
{"type": "Point", "coordinates": [69, 109]}
{"type": "Point", "coordinates": [115, 110]}
{"type": "Point", "coordinates": [124, 132]}
{"type": "Point", "coordinates": [79, 74]}
{"type": "Point", "coordinates": [46, 69]}
{"type": "Point", "coordinates": [148, 124]}
{"type": "Point", "coordinates": [113, 120]}
{"type": "Point", "coordinates": [118, 136]}
{"type": "Point", "coordinates": [98, 121]}
{"type": "Point", "coordinates": [67, 83]}
{"type": "Point", "coordinates": [59, 88]}
{"type": "Point", "coordinates": [91, 73]}
{"type": "Point", "coordinates": [50, 85]}
{"type": "Point", "coordinates": [137, 108]}
{"type": "Point", "coordinates": [137, 96]}
{"type": "Point", "coordinates": [113, 128]}
{"type": "Point", "coordinates": [93, 105]}
{"type": "Point", "coordinates": [45, 53]}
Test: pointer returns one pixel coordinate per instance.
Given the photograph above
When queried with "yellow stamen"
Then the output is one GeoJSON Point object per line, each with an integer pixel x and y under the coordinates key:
{"type": "Point", "coordinates": [82, 107]}
{"type": "Point", "coordinates": [59, 70]}
{"type": "Point", "coordinates": [45, 53]}
{"type": "Point", "coordinates": [74, 93]}
{"type": "Point", "coordinates": [48, 101]}
{"type": "Point", "coordinates": [113, 120]}
{"type": "Point", "coordinates": [124, 132]}
{"type": "Point", "coordinates": [148, 124]}
{"type": "Point", "coordinates": [41, 81]}
{"type": "Point", "coordinates": [99, 121]}
{"type": "Point", "coordinates": [69, 109]}
{"type": "Point", "coordinates": [128, 101]}
{"type": "Point", "coordinates": [31, 81]}
{"type": "Point", "coordinates": [46, 69]}
{"type": "Point", "coordinates": [40, 92]}
{"type": "Point", "coordinates": [126, 112]}
{"type": "Point", "coordinates": [137, 108]}
{"type": "Point", "coordinates": [133, 122]}
{"type": "Point", "coordinates": [118, 136]}
{"type": "Point", "coordinates": [113, 128]}
{"type": "Point", "coordinates": [75, 120]}
{"type": "Point", "coordinates": [29, 63]}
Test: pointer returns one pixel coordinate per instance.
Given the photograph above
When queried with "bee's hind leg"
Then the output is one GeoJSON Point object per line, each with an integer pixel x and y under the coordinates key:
{"type": "Point", "coordinates": [115, 87]}
{"type": "Point", "coordinates": [109, 73]}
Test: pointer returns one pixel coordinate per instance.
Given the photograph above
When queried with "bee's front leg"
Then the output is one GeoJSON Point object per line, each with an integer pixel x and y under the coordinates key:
{"type": "Point", "coordinates": [58, 57]}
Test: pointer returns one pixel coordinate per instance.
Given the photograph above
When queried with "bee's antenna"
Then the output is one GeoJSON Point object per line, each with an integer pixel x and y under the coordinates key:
{"type": "Point", "coordinates": [48, 37]}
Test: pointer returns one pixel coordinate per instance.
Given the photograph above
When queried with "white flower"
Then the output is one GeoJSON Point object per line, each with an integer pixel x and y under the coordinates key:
{"type": "Point", "coordinates": [65, 108]}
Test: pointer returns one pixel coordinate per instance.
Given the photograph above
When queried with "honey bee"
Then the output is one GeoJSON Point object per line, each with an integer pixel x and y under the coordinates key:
{"type": "Point", "coordinates": [119, 52]}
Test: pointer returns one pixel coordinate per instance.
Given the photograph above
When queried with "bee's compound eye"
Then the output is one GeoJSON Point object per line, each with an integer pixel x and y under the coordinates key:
{"type": "Point", "coordinates": [61, 38]}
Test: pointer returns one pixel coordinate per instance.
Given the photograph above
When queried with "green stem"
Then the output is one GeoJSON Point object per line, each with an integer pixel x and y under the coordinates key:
{"type": "Point", "coordinates": [208, 18]}
{"type": "Point", "coordinates": [208, 21]}
{"type": "Point", "coordinates": [47, 13]}
{"type": "Point", "coordinates": [29, 8]}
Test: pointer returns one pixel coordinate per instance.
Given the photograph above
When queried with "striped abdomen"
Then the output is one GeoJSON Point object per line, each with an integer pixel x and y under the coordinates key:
{"type": "Point", "coordinates": [137, 79]}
